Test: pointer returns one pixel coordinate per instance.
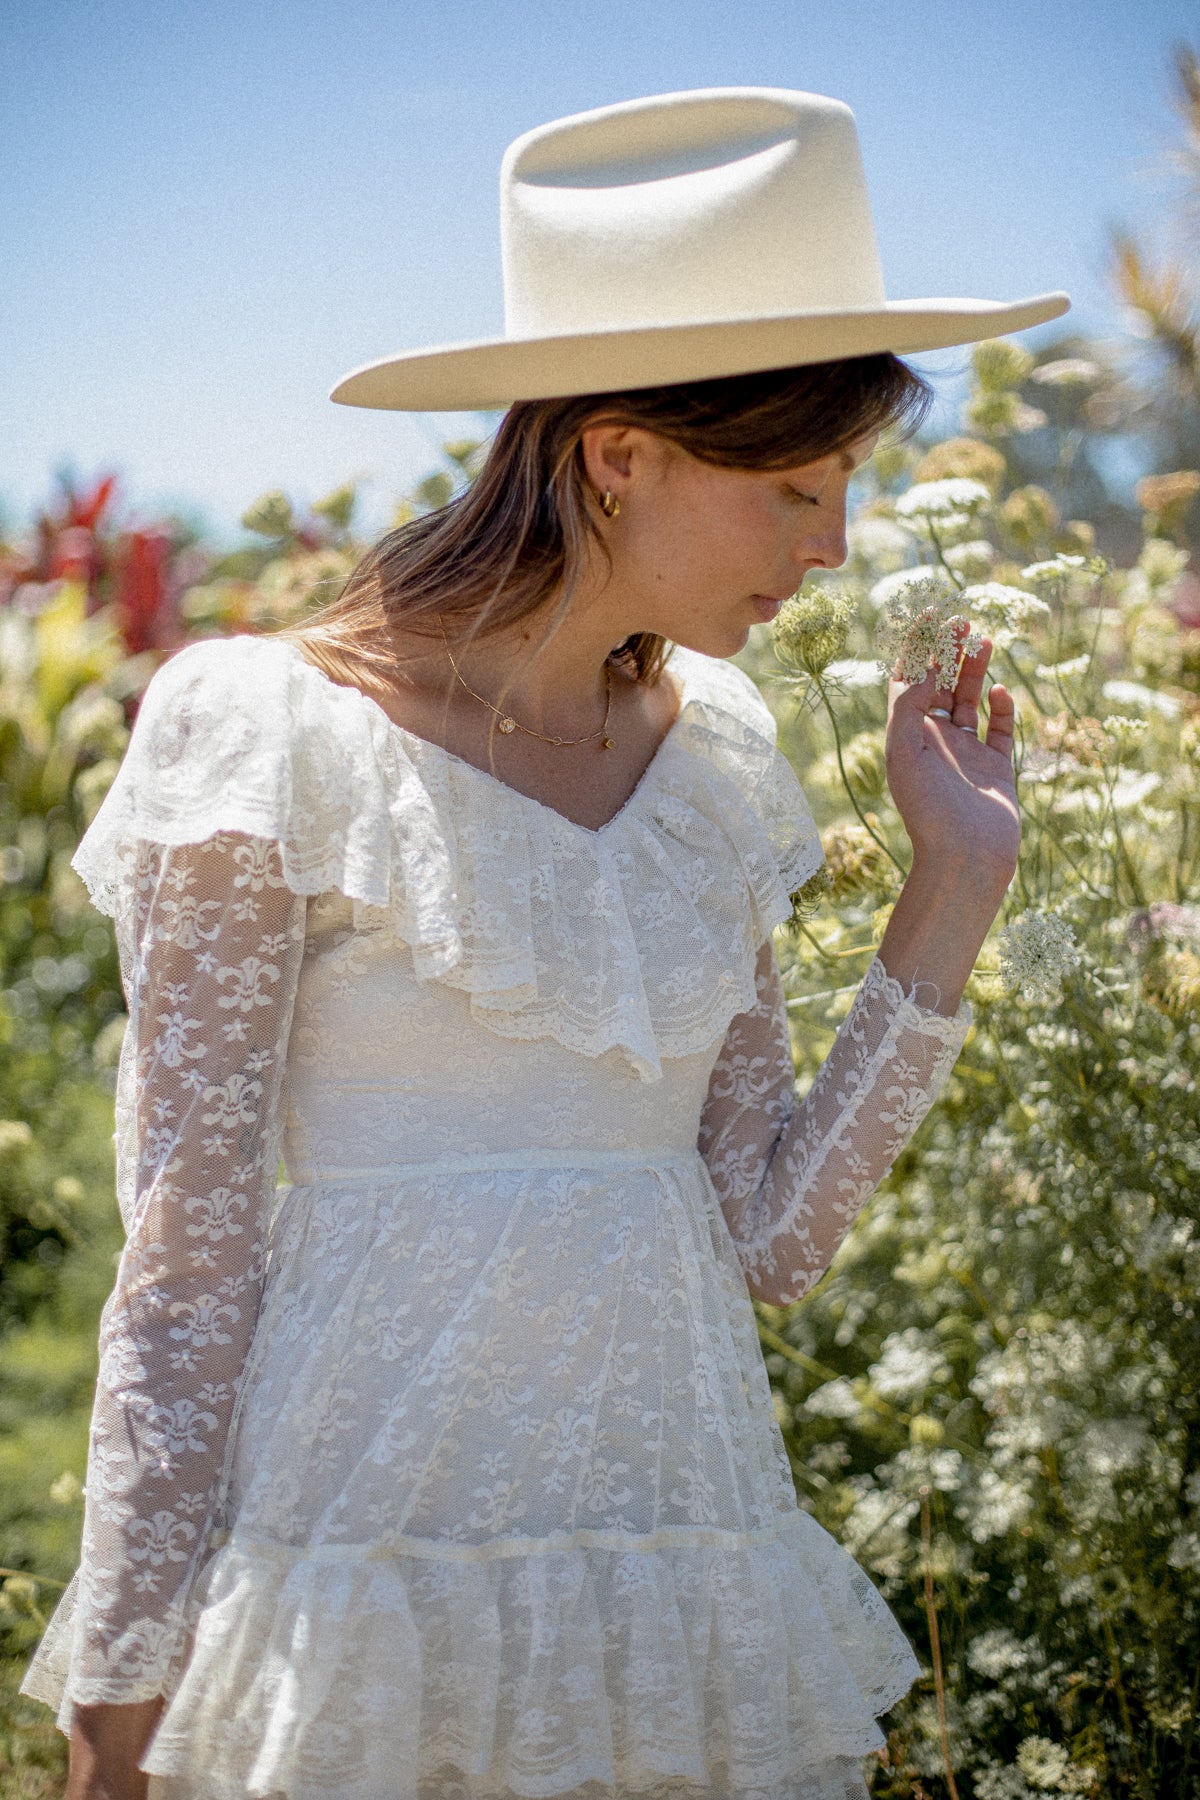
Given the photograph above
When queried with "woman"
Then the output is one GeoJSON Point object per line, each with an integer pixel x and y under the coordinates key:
{"type": "Point", "coordinates": [451, 1468]}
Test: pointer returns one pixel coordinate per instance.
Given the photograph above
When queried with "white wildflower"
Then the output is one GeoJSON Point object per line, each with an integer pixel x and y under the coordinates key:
{"type": "Point", "coordinates": [812, 629]}
{"type": "Point", "coordinates": [1191, 1488]}
{"type": "Point", "coordinates": [1063, 671]}
{"type": "Point", "coordinates": [875, 1531]}
{"type": "Point", "coordinates": [1011, 606]}
{"type": "Point", "coordinates": [1185, 1552]}
{"type": "Point", "coordinates": [1110, 1445]}
{"type": "Point", "coordinates": [909, 1363]}
{"type": "Point", "coordinates": [998, 1507]}
{"type": "Point", "coordinates": [1054, 571]}
{"type": "Point", "coordinates": [1133, 693]}
{"type": "Point", "coordinates": [1000, 1652]}
{"type": "Point", "coordinates": [1132, 787]}
{"type": "Point", "coordinates": [881, 543]}
{"type": "Point", "coordinates": [922, 1466]}
{"type": "Point", "coordinates": [1156, 1242]}
{"type": "Point", "coordinates": [972, 561]}
{"type": "Point", "coordinates": [1042, 1762]}
{"type": "Point", "coordinates": [1067, 371]}
{"type": "Point", "coordinates": [919, 632]}
{"type": "Point", "coordinates": [1037, 949]}
{"type": "Point", "coordinates": [996, 1782]}
{"type": "Point", "coordinates": [896, 585]}
{"type": "Point", "coordinates": [940, 500]}
{"type": "Point", "coordinates": [1125, 732]}
{"type": "Point", "coordinates": [1129, 793]}
{"type": "Point", "coordinates": [834, 1400]}
{"type": "Point", "coordinates": [854, 672]}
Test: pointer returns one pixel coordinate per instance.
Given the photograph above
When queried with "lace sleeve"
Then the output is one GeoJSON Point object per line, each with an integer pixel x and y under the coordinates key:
{"type": "Point", "coordinates": [792, 1175]}
{"type": "Point", "coordinates": [211, 944]}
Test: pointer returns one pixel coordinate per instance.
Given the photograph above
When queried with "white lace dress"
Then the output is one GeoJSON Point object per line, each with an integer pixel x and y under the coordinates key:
{"type": "Point", "coordinates": [447, 1469]}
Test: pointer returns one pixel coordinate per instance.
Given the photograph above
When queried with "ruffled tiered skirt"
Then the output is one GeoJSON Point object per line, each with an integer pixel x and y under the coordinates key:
{"type": "Point", "coordinates": [508, 1514]}
{"type": "Point", "coordinates": [707, 1668]}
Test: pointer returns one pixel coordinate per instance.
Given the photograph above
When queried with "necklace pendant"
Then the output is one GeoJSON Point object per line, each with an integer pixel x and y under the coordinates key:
{"type": "Point", "coordinates": [506, 725]}
{"type": "Point", "coordinates": [607, 743]}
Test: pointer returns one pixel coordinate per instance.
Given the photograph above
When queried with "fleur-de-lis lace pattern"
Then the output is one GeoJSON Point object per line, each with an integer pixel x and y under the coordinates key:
{"type": "Point", "coordinates": [210, 959]}
{"type": "Point", "coordinates": [448, 1468]}
{"type": "Point", "coordinates": [793, 1178]}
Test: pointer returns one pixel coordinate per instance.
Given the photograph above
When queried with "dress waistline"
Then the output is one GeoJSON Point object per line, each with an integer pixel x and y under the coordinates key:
{"type": "Point", "coordinates": [391, 1546]}
{"type": "Point", "coordinates": [654, 1156]}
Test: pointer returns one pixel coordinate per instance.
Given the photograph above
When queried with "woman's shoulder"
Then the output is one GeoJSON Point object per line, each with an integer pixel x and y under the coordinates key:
{"type": "Point", "coordinates": [225, 719]}
{"type": "Point", "coordinates": [243, 734]}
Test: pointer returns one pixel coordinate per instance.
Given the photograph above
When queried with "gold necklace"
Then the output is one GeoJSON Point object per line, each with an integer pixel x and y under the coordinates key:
{"type": "Point", "coordinates": [509, 724]}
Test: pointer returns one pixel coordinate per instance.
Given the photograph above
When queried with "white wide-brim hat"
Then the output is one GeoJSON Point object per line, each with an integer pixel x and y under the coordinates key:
{"type": "Point", "coordinates": [681, 238]}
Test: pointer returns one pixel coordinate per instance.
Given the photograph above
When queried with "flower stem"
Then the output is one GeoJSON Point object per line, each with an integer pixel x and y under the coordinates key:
{"type": "Point", "coordinates": [935, 1643]}
{"type": "Point", "coordinates": [837, 744]}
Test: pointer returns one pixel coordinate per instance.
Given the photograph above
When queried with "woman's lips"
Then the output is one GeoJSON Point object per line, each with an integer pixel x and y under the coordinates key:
{"type": "Point", "coordinates": [766, 608]}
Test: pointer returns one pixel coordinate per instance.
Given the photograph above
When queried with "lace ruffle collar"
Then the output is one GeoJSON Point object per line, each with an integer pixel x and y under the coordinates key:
{"type": "Point", "coordinates": [638, 936]}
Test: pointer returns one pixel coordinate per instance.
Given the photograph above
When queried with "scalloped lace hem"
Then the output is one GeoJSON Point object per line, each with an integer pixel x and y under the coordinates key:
{"type": "Point", "coordinates": [910, 1012]}
{"type": "Point", "coordinates": [729, 1670]}
{"type": "Point", "coordinates": [840, 1778]}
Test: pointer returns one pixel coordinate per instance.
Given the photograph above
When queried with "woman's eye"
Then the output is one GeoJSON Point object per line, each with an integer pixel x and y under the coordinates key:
{"type": "Point", "coordinates": [811, 498]}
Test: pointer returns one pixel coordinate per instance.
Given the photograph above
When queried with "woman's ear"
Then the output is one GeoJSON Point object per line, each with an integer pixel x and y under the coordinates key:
{"type": "Point", "coordinates": [615, 456]}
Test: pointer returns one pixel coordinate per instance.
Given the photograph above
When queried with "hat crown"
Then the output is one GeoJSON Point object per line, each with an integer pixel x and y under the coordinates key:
{"type": "Point", "coordinates": [685, 208]}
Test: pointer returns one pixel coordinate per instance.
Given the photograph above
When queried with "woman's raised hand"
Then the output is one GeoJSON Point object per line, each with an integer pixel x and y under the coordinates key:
{"type": "Point", "coordinates": [956, 792]}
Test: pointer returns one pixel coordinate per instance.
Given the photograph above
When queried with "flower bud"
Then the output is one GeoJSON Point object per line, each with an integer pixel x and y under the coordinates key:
{"type": "Point", "coordinates": [1000, 364]}
{"type": "Point", "coordinates": [813, 629]}
{"type": "Point", "coordinates": [926, 1431]}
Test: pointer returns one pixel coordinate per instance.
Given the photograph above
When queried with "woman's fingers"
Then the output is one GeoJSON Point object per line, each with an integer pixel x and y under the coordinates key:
{"type": "Point", "coordinates": [968, 689]}
{"type": "Point", "coordinates": [1002, 713]}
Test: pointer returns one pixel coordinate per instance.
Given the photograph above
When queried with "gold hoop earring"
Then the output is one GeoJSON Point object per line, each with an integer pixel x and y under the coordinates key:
{"type": "Point", "coordinates": [610, 506]}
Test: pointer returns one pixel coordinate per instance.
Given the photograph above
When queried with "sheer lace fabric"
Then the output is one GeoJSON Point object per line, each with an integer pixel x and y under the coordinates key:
{"type": "Point", "coordinates": [792, 1179]}
{"type": "Point", "coordinates": [209, 963]}
{"type": "Point", "coordinates": [450, 1467]}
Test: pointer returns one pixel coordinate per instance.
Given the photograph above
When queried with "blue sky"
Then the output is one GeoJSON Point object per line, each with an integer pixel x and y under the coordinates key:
{"type": "Point", "coordinates": [214, 208]}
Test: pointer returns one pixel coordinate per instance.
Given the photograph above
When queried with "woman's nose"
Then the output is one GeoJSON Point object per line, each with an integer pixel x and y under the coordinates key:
{"type": "Point", "coordinates": [825, 547]}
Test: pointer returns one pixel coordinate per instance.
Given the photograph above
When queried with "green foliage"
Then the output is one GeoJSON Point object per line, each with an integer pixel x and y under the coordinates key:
{"type": "Point", "coordinates": [1010, 1334]}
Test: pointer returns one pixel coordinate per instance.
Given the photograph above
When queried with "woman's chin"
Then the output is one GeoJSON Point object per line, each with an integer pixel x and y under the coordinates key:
{"type": "Point", "coordinates": [711, 641]}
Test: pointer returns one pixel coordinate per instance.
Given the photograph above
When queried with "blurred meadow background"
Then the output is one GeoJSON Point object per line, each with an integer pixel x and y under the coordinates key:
{"type": "Point", "coordinates": [212, 213]}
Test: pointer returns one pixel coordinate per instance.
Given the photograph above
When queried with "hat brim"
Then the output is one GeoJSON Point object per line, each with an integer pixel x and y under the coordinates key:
{"type": "Point", "coordinates": [476, 377]}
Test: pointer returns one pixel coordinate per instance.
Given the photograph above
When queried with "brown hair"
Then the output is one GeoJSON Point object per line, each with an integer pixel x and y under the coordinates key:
{"type": "Point", "coordinates": [503, 548]}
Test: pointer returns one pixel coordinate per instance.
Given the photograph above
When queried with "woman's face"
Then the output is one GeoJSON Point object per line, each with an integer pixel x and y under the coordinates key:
{"type": "Point", "coordinates": [700, 554]}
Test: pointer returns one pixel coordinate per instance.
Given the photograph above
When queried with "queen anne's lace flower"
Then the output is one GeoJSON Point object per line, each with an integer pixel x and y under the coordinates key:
{"type": "Point", "coordinates": [1054, 571]}
{"type": "Point", "coordinates": [812, 629]}
{"type": "Point", "coordinates": [920, 631]}
{"type": "Point", "coordinates": [1126, 733]}
{"type": "Point", "coordinates": [1042, 1762]}
{"type": "Point", "coordinates": [910, 1362]}
{"type": "Point", "coordinates": [1011, 606]}
{"type": "Point", "coordinates": [939, 500]}
{"type": "Point", "coordinates": [881, 543]}
{"type": "Point", "coordinates": [1037, 949]}
{"type": "Point", "coordinates": [1135, 693]}
{"type": "Point", "coordinates": [898, 584]}
{"type": "Point", "coordinates": [972, 561]}
{"type": "Point", "coordinates": [1064, 671]}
